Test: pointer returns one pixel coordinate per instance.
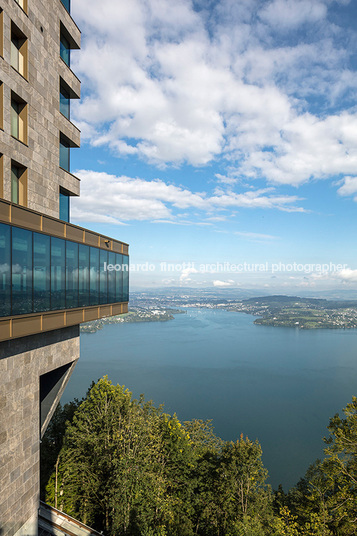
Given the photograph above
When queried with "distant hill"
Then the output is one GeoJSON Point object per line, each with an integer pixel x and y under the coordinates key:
{"type": "Point", "coordinates": [281, 300]}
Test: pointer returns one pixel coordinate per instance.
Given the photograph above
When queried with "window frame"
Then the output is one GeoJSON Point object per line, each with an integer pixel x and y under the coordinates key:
{"type": "Point", "coordinates": [19, 55]}
{"type": "Point", "coordinates": [19, 118]}
{"type": "Point", "coordinates": [64, 153]}
{"type": "Point", "coordinates": [64, 211]}
{"type": "Point", "coordinates": [19, 172]}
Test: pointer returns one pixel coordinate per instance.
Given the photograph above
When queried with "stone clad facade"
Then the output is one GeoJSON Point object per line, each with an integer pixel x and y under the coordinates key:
{"type": "Point", "coordinates": [40, 91]}
{"type": "Point", "coordinates": [25, 360]}
{"type": "Point", "coordinates": [22, 364]}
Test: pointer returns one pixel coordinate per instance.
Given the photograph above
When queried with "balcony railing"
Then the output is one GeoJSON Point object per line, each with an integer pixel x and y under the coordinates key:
{"type": "Point", "coordinates": [49, 267]}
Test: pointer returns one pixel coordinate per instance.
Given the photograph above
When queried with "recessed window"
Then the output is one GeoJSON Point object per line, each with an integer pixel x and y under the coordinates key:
{"type": "Point", "coordinates": [18, 184]}
{"type": "Point", "coordinates": [18, 50]}
{"type": "Point", "coordinates": [65, 50]}
{"type": "Point", "coordinates": [64, 205]}
{"type": "Point", "coordinates": [65, 108]}
{"type": "Point", "coordinates": [18, 118]}
{"type": "Point", "coordinates": [1, 105]}
{"type": "Point", "coordinates": [67, 5]}
{"type": "Point", "coordinates": [64, 153]}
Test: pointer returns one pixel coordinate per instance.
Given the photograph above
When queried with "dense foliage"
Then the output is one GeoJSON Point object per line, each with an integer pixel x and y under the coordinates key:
{"type": "Point", "coordinates": [125, 467]}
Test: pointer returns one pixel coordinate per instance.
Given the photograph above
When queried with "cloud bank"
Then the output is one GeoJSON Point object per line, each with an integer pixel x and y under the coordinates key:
{"type": "Point", "coordinates": [124, 199]}
{"type": "Point", "coordinates": [265, 86]}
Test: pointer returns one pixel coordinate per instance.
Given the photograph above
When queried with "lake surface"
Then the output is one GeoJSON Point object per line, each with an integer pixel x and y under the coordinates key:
{"type": "Point", "coordinates": [279, 385]}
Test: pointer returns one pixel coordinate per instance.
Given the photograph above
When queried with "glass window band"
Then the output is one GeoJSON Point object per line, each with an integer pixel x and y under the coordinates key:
{"type": "Point", "coordinates": [41, 273]}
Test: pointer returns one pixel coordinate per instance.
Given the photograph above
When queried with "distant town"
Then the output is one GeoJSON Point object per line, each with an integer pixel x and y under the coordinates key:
{"type": "Point", "coordinates": [277, 311]}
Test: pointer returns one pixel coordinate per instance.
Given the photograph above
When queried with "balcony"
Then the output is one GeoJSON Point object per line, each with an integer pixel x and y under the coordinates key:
{"type": "Point", "coordinates": [53, 274]}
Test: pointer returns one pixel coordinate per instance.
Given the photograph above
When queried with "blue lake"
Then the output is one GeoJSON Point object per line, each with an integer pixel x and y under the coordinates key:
{"type": "Point", "coordinates": [279, 385]}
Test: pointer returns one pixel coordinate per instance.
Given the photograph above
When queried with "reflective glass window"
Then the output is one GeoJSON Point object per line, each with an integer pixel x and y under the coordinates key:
{"type": "Point", "coordinates": [65, 103]}
{"type": "Point", "coordinates": [58, 259]}
{"type": "Point", "coordinates": [111, 277]}
{"type": "Point", "coordinates": [64, 154]}
{"type": "Point", "coordinates": [71, 274]}
{"type": "Point", "coordinates": [125, 278]}
{"type": "Point", "coordinates": [15, 115]}
{"type": "Point", "coordinates": [21, 271]}
{"type": "Point", "coordinates": [103, 277]}
{"type": "Point", "coordinates": [119, 278]}
{"type": "Point", "coordinates": [65, 50]}
{"type": "Point", "coordinates": [15, 174]}
{"type": "Point", "coordinates": [15, 47]}
{"type": "Point", "coordinates": [67, 5]}
{"type": "Point", "coordinates": [83, 275]}
{"type": "Point", "coordinates": [5, 275]}
{"type": "Point", "coordinates": [94, 276]}
{"type": "Point", "coordinates": [64, 206]}
{"type": "Point", "coordinates": [41, 272]}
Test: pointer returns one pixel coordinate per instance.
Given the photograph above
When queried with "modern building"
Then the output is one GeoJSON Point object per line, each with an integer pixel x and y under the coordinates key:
{"type": "Point", "coordinates": [52, 274]}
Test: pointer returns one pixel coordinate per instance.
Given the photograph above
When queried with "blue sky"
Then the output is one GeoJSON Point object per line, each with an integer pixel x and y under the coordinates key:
{"type": "Point", "coordinates": [221, 132]}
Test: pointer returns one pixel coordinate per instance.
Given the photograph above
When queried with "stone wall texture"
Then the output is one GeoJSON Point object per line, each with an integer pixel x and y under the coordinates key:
{"type": "Point", "coordinates": [22, 362]}
{"type": "Point", "coordinates": [41, 25]}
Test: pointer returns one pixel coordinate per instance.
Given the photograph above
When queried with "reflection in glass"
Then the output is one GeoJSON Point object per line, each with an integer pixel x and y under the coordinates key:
{"type": "Point", "coordinates": [94, 276]}
{"type": "Point", "coordinates": [64, 154]}
{"type": "Point", "coordinates": [67, 5]}
{"type": "Point", "coordinates": [103, 280]}
{"type": "Point", "coordinates": [58, 295]}
{"type": "Point", "coordinates": [71, 274]}
{"type": "Point", "coordinates": [5, 276]}
{"type": "Point", "coordinates": [64, 206]}
{"type": "Point", "coordinates": [119, 278]}
{"type": "Point", "coordinates": [111, 278]}
{"type": "Point", "coordinates": [65, 103]}
{"type": "Point", "coordinates": [65, 50]}
{"type": "Point", "coordinates": [21, 271]}
{"type": "Point", "coordinates": [125, 278]}
{"type": "Point", "coordinates": [41, 272]}
{"type": "Point", "coordinates": [83, 275]}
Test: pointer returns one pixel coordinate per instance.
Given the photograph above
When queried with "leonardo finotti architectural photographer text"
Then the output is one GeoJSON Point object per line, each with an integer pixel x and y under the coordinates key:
{"type": "Point", "coordinates": [228, 267]}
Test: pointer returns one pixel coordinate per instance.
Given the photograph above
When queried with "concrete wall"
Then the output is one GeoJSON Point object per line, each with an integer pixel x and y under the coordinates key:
{"type": "Point", "coordinates": [22, 362]}
{"type": "Point", "coordinates": [41, 26]}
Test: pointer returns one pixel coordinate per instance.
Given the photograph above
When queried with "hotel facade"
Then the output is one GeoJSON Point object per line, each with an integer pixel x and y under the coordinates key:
{"type": "Point", "coordinates": [52, 274]}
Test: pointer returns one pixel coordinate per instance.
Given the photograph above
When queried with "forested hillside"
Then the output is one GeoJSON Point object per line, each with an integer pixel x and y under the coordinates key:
{"type": "Point", "coordinates": [126, 467]}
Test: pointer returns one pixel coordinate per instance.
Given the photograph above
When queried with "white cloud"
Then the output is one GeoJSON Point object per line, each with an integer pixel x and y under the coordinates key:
{"type": "Point", "coordinates": [347, 275]}
{"type": "Point", "coordinates": [218, 283]}
{"type": "Point", "coordinates": [349, 186]}
{"type": "Point", "coordinates": [171, 84]}
{"type": "Point", "coordinates": [124, 199]}
{"type": "Point", "coordinates": [287, 14]}
{"type": "Point", "coordinates": [185, 274]}
{"type": "Point", "coordinates": [256, 236]}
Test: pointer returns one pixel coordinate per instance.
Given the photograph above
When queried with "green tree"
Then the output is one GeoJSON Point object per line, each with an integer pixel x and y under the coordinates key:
{"type": "Point", "coordinates": [245, 498]}
{"type": "Point", "coordinates": [52, 441]}
{"type": "Point", "coordinates": [109, 473]}
{"type": "Point", "coordinates": [340, 465]}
